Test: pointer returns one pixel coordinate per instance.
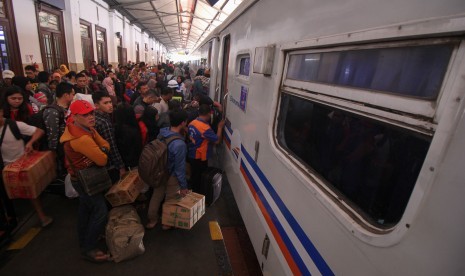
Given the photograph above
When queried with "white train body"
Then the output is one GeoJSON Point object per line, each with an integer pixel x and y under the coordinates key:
{"type": "Point", "coordinates": [312, 228]}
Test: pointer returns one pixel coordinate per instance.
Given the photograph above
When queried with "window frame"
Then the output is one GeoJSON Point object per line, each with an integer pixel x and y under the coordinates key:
{"type": "Point", "coordinates": [240, 55]}
{"type": "Point", "coordinates": [397, 103]}
{"type": "Point", "coordinates": [343, 212]}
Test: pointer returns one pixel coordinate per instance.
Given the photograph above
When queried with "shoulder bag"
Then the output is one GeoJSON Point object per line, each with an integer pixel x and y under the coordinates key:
{"type": "Point", "coordinates": [93, 179]}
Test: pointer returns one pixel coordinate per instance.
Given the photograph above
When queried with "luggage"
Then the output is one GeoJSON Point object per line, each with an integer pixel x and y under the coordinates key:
{"type": "Point", "coordinates": [124, 233]}
{"type": "Point", "coordinates": [211, 181]}
{"type": "Point", "coordinates": [152, 162]}
{"type": "Point", "coordinates": [28, 176]}
{"type": "Point", "coordinates": [126, 190]}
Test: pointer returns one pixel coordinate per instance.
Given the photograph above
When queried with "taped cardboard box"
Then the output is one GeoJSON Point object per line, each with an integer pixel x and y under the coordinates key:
{"type": "Point", "coordinates": [28, 176]}
{"type": "Point", "coordinates": [185, 212]}
{"type": "Point", "coordinates": [126, 190]}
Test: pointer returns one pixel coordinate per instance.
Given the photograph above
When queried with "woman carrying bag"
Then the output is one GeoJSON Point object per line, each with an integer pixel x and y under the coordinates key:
{"type": "Point", "coordinates": [86, 149]}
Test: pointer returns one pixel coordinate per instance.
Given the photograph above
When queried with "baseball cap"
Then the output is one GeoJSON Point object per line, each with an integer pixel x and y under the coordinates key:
{"type": "Point", "coordinates": [81, 107]}
{"type": "Point", "coordinates": [8, 74]}
{"type": "Point", "coordinates": [172, 84]}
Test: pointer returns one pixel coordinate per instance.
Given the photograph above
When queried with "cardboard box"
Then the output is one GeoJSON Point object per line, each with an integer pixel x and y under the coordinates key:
{"type": "Point", "coordinates": [185, 212]}
{"type": "Point", "coordinates": [28, 176]}
{"type": "Point", "coordinates": [126, 190]}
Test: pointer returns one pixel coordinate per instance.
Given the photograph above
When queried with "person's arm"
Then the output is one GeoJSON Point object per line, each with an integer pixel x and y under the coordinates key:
{"type": "Point", "coordinates": [180, 150]}
{"type": "Point", "coordinates": [100, 141]}
{"type": "Point", "coordinates": [108, 135]}
{"type": "Point", "coordinates": [88, 147]}
{"type": "Point", "coordinates": [212, 137]}
{"type": "Point", "coordinates": [34, 138]}
{"type": "Point", "coordinates": [51, 117]}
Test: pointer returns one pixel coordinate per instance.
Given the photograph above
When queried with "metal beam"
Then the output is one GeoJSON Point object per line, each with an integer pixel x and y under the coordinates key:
{"type": "Point", "coordinates": [122, 5]}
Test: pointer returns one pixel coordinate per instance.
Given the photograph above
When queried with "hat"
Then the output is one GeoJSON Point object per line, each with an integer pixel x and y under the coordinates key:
{"type": "Point", "coordinates": [8, 74]}
{"type": "Point", "coordinates": [81, 107]}
{"type": "Point", "coordinates": [173, 84]}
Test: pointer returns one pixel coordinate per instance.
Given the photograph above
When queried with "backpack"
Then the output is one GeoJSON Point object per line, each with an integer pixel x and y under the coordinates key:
{"type": "Point", "coordinates": [153, 161]}
{"type": "Point", "coordinates": [38, 121]}
{"type": "Point", "coordinates": [124, 233]}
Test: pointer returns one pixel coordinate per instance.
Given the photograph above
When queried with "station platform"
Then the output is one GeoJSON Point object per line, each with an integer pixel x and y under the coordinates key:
{"type": "Point", "coordinates": [54, 250]}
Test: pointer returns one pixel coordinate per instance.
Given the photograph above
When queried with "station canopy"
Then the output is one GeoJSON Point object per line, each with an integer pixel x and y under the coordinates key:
{"type": "Point", "coordinates": [180, 25]}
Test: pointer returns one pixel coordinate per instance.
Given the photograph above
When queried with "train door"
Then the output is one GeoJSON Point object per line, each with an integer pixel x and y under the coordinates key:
{"type": "Point", "coordinates": [224, 74]}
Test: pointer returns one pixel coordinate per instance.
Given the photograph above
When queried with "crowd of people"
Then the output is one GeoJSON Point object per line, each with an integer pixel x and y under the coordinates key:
{"type": "Point", "coordinates": [104, 116]}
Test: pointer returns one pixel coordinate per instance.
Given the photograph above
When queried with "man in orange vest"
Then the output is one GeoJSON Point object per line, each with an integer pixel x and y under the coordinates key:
{"type": "Point", "coordinates": [202, 138]}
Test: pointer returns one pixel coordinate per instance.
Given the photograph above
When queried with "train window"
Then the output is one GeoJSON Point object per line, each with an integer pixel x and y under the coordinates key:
{"type": "Point", "coordinates": [244, 68]}
{"type": "Point", "coordinates": [370, 164]}
{"type": "Point", "coordinates": [414, 71]}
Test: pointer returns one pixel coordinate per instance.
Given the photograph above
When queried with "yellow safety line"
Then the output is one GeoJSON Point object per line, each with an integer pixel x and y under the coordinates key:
{"type": "Point", "coordinates": [215, 231]}
{"type": "Point", "coordinates": [25, 239]}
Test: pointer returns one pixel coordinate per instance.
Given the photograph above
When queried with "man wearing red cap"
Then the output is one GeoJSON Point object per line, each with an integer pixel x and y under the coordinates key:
{"type": "Point", "coordinates": [84, 147]}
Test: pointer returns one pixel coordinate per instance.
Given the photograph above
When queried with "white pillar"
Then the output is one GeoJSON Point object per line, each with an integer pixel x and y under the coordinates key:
{"type": "Point", "coordinates": [73, 35]}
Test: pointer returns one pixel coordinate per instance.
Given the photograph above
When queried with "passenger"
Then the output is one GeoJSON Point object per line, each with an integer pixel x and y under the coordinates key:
{"type": "Point", "coordinates": [149, 129]}
{"type": "Point", "coordinates": [55, 122]}
{"type": "Point", "coordinates": [43, 86]}
{"type": "Point", "coordinates": [166, 96]}
{"type": "Point", "coordinates": [176, 165]}
{"type": "Point", "coordinates": [63, 70]}
{"type": "Point", "coordinates": [181, 87]}
{"type": "Point", "coordinates": [71, 77]}
{"type": "Point", "coordinates": [129, 92]}
{"type": "Point", "coordinates": [201, 140]}
{"type": "Point", "coordinates": [141, 89]}
{"type": "Point", "coordinates": [128, 135]}
{"type": "Point", "coordinates": [53, 86]}
{"type": "Point", "coordinates": [104, 126]}
{"type": "Point", "coordinates": [110, 89]}
{"type": "Point", "coordinates": [145, 100]}
{"type": "Point", "coordinates": [56, 77]}
{"type": "Point", "coordinates": [14, 105]}
{"type": "Point", "coordinates": [7, 75]}
{"type": "Point", "coordinates": [31, 73]}
{"type": "Point", "coordinates": [12, 149]}
{"type": "Point", "coordinates": [26, 86]}
{"type": "Point", "coordinates": [82, 85]}
{"type": "Point", "coordinates": [85, 147]}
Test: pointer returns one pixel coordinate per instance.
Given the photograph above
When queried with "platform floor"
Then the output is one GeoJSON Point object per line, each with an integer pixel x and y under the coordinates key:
{"type": "Point", "coordinates": [54, 250]}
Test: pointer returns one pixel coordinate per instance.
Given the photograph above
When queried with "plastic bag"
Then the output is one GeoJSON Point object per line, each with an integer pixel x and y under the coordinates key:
{"type": "Point", "coordinates": [70, 192]}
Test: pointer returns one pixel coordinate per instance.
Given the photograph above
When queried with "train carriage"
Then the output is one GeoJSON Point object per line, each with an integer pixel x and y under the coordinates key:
{"type": "Point", "coordinates": [344, 135]}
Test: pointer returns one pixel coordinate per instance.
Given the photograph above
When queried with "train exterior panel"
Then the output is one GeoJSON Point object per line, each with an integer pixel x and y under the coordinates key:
{"type": "Point", "coordinates": [312, 227]}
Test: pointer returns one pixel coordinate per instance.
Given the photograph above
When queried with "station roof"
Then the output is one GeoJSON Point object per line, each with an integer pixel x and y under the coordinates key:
{"type": "Point", "coordinates": [180, 25]}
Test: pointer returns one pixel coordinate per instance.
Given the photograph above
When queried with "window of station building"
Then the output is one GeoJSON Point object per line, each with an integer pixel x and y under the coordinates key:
{"type": "Point", "coordinates": [101, 38]}
{"type": "Point", "coordinates": [371, 165]}
{"type": "Point", "coordinates": [49, 21]}
{"type": "Point", "coordinates": [411, 70]}
{"type": "Point", "coordinates": [86, 43]}
{"type": "Point", "coordinates": [244, 67]}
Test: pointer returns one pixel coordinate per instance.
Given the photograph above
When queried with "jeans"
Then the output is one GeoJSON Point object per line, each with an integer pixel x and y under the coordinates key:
{"type": "Point", "coordinates": [92, 218]}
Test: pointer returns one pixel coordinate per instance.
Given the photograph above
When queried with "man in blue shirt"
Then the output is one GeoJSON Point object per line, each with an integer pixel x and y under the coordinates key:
{"type": "Point", "coordinates": [177, 151]}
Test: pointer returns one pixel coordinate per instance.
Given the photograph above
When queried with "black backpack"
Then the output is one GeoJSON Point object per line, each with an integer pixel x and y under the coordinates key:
{"type": "Point", "coordinates": [38, 121]}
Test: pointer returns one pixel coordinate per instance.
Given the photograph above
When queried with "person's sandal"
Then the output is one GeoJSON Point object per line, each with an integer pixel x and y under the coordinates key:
{"type": "Point", "coordinates": [151, 224]}
{"type": "Point", "coordinates": [46, 222]}
{"type": "Point", "coordinates": [166, 227]}
{"type": "Point", "coordinates": [96, 256]}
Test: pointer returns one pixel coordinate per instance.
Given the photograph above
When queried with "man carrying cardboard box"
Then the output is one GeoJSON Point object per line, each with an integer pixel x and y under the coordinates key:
{"type": "Point", "coordinates": [176, 166]}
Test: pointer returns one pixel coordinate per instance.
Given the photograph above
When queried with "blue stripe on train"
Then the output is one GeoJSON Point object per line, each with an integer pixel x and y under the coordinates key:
{"type": "Point", "coordinates": [282, 232]}
{"type": "Point", "coordinates": [308, 245]}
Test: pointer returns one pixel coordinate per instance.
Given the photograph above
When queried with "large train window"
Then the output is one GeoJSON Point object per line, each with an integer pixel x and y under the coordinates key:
{"type": "Point", "coordinates": [371, 165]}
{"type": "Point", "coordinates": [412, 70]}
